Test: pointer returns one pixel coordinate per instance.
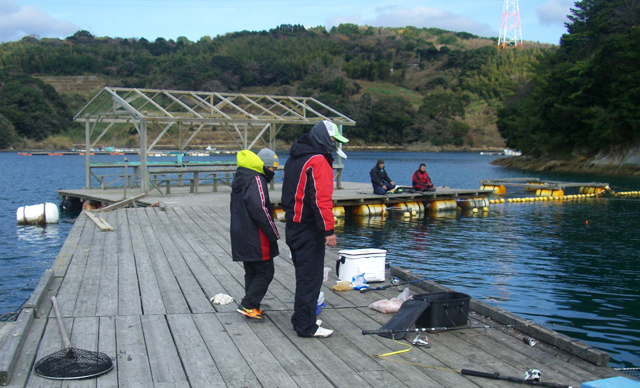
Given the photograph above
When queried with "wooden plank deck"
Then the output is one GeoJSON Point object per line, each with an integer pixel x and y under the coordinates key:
{"type": "Point", "coordinates": [141, 295]}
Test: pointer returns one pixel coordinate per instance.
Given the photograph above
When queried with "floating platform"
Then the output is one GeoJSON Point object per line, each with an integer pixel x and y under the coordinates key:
{"type": "Point", "coordinates": [352, 194]}
{"type": "Point", "coordinates": [141, 292]}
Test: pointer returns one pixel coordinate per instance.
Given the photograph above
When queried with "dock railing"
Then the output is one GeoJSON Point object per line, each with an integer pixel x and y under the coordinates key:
{"type": "Point", "coordinates": [162, 176]}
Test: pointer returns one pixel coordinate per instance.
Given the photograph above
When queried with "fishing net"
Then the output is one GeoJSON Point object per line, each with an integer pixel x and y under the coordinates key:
{"type": "Point", "coordinates": [633, 372]}
{"type": "Point", "coordinates": [72, 363]}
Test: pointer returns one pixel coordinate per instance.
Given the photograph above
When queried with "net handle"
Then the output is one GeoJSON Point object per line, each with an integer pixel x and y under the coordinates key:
{"type": "Point", "coordinates": [63, 333]}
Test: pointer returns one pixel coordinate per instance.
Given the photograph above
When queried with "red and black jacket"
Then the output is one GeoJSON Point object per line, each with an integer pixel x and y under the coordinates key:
{"type": "Point", "coordinates": [254, 236]}
{"type": "Point", "coordinates": [307, 189]}
{"type": "Point", "coordinates": [421, 180]}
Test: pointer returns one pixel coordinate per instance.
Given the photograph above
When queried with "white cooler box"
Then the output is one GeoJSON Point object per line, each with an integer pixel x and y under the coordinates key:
{"type": "Point", "coordinates": [370, 261]}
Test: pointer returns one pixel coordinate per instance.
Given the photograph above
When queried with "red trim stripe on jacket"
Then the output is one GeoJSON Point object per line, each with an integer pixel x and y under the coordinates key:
{"type": "Point", "coordinates": [266, 212]}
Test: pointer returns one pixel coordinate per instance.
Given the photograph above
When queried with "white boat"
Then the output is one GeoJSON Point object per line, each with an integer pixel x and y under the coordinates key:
{"type": "Point", "coordinates": [209, 148]}
{"type": "Point", "coordinates": [509, 152]}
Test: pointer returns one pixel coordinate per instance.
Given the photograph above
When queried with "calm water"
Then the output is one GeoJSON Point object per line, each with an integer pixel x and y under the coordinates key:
{"type": "Point", "coordinates": [540, 260]}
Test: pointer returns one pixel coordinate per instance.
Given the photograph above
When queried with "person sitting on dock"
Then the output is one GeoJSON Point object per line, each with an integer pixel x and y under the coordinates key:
{"type": "Point", "coordinates": [421, 180]}
{"type": "Point", "coordinates": [254, 237]}
{"type": "Point", "coordinates": [380, 180]}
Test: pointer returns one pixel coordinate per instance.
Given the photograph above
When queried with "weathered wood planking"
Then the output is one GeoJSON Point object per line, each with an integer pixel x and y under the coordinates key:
{"type": "Point", "coordinates": [172, 297]}
{"type": "Point", "coordinates": [276, 297]}
{"type": "Point", "coordinates": [129, 301]}
{"type": "Point", "coordinates": [61, 263]}
{"type": "Point", "coordinates": [199, 262]}
{"type": "Point", "coordinates": [265, 366]}
{"type": "Point", "coordinates": [150, 291]}
{"type": "Point", "coordinates": [70, 288]}
{"type": "Point", "coordinates": [233, 368]}
{"type": "Point", "coordinates": [165, 363]}
{"type": "Point", "coordinates": [140, 294]}
{"type": "Point", "coordinates": [107, 303]}
{"type": "Point", "coordinates": [195, 297]}
{"type": "Point", "coordinates": [198, 363]}
{"type": "Point", "coordinates": [132, 356]}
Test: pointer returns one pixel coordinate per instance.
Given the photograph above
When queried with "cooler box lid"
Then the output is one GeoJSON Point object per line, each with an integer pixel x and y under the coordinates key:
{"type": "Point", "coordinates": [362, 252]}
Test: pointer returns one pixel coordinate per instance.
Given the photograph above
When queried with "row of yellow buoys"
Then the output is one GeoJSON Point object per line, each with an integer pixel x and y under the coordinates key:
{"type": "Point", "coordinates": [543, 199]}
{"type": "Point", "coordinates": [627, 194]}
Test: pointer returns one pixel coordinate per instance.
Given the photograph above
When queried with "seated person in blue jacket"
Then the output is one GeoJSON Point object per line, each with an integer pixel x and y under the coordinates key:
{"type": "Point", "coordinates": [380, 180]}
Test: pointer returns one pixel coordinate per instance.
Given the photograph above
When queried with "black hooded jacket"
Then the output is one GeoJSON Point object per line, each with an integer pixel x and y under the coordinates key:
{"type": "Point", "coordinates": [378, 175]}
{"type": "Point", "coordinates": [254, 236]}
{"type": "Point", "coordinates": [307, 189]}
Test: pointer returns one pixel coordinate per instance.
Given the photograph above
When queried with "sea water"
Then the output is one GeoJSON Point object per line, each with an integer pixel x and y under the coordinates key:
{"type": "Point", "coordinates": [572, 265]}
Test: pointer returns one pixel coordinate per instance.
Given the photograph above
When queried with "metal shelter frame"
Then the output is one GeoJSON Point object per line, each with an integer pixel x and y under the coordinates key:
{"type": "Point", "coordinates": [247, 118]}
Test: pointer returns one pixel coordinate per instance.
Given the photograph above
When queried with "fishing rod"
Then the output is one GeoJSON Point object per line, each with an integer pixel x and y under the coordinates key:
{"type": "Point", "coordinates": [433, 329]}
{"type": "Point", "coordinates": [436, 329]}
{"type": "Point", "coordinates": [395, 282]}
{"type": "Point", "coordinates": [496, 376]}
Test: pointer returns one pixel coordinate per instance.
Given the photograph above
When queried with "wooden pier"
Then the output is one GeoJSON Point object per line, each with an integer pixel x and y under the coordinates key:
{"type": "Point", "coordinates": [141, 292]}
{"type": "Point", "coordinates": [352, 194]}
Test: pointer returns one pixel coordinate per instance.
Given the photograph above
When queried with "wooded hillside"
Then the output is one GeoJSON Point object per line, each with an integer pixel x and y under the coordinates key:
{"type": "Point", "coordinates": [584, 97]}
{"type": "Point", "coordinates": [401, 85]}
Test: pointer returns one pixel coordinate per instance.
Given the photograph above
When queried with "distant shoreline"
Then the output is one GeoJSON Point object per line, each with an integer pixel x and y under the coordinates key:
{"type": "Point", "coordinates": [605, 166]}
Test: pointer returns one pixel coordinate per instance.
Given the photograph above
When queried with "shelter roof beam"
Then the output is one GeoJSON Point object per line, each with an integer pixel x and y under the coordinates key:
{"type": "Point", "coordinates": [230, 103]}
{"type": "Point", "coordinates": [259, 136]}
{"type": "Point", "coordinates": [101, 134]}
{"type": "Point", "coordinates": [285, 107]}
{"type": "Point", "coordinates": [125, 105]}
{"type": "Point", "coordinates": [193, 135]}
{"type": "Point", "coordinates": [264, 110]}
{"type": "Point", "coordinates": [159, 136]}
{"type": "Point", "coordinates": [208, 105]}
{"type": "Point", "coordinates": [149, 100]}
{"type": "Point", "coordinates": [177, 101]}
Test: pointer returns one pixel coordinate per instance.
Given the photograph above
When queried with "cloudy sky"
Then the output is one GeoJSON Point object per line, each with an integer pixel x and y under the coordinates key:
{"type": "Point", "coordinates": [542, 20]}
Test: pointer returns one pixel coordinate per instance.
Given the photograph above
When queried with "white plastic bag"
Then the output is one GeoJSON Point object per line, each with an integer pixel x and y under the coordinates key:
{"type": "Point", "coordinates": [326, 273]}
{"type": "Point", "coordinates": [221, 299]}
{"type": "Point", "coordinates": [387, 306]}
{"type": "Point", "coordinates": [359, 282]}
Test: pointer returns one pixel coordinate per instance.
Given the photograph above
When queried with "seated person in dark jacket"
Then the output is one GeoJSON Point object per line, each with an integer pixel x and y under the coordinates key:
{"type": "Point", "coordinates": [254, 237]}
{"type": "Point", "coordinates": [421, 180]}
{"type": "Point", "coordinates": [380, 180]}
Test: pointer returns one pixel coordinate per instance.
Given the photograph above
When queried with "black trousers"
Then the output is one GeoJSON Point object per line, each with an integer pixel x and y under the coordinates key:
{"type": "Point", "coordinates": [306, 243]}
{"type": "Point", "coordinates": [257, 277]}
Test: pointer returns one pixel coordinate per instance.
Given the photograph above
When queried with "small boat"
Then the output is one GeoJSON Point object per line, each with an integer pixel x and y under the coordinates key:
{"type": "Point", "coordinates": [209, 148]}
{"type": "Point", "coordinates": [509, 152]}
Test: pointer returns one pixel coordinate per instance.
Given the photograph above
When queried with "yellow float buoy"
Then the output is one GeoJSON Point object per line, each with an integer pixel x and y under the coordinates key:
{"type": "Point", "coordinates": [475, 210]}
{"type": "Point", "coordinates": [485, 209]}
{"type": "Point", "coordinates": [407, 214]}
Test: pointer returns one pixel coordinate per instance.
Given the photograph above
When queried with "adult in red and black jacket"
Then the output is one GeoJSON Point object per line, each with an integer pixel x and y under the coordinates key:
{"type": "Point", "coordinates": [307, 193]}
{"type": "Point", "coordinates": [254, 237]}
{"type": "Point", "coordinates": [421, 180]}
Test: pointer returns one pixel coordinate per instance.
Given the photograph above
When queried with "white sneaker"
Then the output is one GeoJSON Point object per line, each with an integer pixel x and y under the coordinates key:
{"type": "Point", "coordinates": [322, 332]}
{"type": "Point", "coordinates": [319, 322]}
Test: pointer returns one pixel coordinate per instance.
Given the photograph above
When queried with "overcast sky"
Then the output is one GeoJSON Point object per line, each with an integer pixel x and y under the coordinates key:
{"type": "Point", "coordinates": [542, 20]}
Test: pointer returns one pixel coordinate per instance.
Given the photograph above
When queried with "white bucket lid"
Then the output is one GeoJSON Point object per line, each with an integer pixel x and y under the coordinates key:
{"type": "Point", "coordinates": [368, 252]}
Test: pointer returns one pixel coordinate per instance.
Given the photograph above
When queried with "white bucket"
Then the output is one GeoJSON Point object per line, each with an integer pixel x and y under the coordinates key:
{"type": "Point", "coordinates": [45, 213]}
{"type": "Point", "coordinates": [367, 261]}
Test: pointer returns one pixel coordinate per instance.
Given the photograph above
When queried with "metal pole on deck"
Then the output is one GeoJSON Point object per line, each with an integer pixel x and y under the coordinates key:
{"type": "Point", "coordinates": [339, 174]}
{"type": "Point", "coordinates": [126, 177]}
{"type": "Point", "coordinates": [87, 153]}
{"type": "Point", "coordinates": [272, 144]}
{"type": "Point", "coordinates": [144, 178]}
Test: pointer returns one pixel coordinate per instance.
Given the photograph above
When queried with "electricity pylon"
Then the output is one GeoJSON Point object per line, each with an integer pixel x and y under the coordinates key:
{"type": "Point", "coordinates": [510, 30]}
